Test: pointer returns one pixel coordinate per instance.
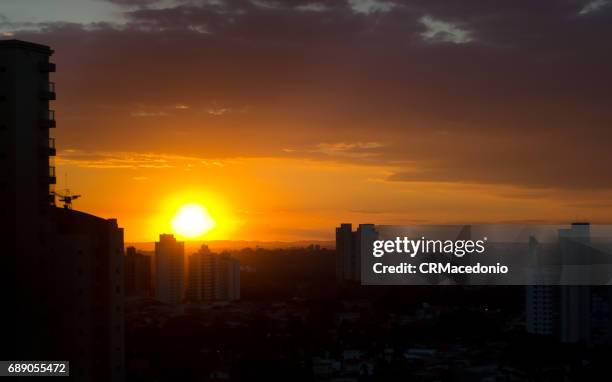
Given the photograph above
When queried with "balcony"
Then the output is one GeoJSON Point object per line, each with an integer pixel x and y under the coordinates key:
{"type": "Point", "coordinates": [51, 199]}
{"type": "Point", "coordinates": [46, 67]}
{"type": "Point", "coordinates": [48, 120]}
{"type": "Point", "coordinates": [48, 93]}
{"type": "Point", "coordinates": [51, 147]}
{"type": "Point", "coordinates": [52, 178]}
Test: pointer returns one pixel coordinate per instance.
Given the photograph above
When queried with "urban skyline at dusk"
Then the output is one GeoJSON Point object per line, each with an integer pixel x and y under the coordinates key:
{"type": "Point", "coordinates": [306, 190]}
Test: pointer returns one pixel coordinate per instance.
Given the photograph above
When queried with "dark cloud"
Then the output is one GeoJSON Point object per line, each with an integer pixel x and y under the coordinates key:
{"type": "Point", "coordinates": [525, 101]}
{"type": "Point", "coordinates": [132, 2]}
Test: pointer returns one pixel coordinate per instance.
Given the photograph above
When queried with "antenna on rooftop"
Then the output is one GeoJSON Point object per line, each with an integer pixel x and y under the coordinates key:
{"type": "Point", "coordinates": [66, 197]}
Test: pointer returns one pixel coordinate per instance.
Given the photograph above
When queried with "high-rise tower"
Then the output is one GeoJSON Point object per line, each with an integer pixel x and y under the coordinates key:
{"type": "Point", "coordinates": [213, 277]}
{"type": "Point", "coordinates": [170, 269]}
{"type": "Point", "coordinates": [351, 248]}
{"type": "Point", "coordinates": [26, 176]}
{"type": "Point", "coordinates": [63, 268]}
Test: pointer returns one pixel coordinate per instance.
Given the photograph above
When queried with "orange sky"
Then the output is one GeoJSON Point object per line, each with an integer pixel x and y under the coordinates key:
{"type": "Point", "coordinates": [287, 118]}
{"type": "Point", "coordinates": [288, 199]}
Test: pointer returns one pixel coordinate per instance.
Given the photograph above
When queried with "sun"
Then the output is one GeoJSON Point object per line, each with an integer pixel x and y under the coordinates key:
{"type": "Point", "coordinates": [192, 220]}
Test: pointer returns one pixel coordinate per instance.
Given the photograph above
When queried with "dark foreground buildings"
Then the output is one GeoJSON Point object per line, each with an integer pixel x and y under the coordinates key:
{"type": "Point", "coordinates": [26, 178]}
{"type": "Point", "coordinates": [137, 273]}
{"type": "Point", "coordinates": [85, 275]}
{"type": "Point", "coordinates": [350, 247]}
{"type": "Point", "coordinates": [571, 314]}
{"type": "Point", "coordinates": [213, 277]}
{"type": "Point", "coordinates": [63, 268]}
{"type": "Point", "coordinates": [169, 270]}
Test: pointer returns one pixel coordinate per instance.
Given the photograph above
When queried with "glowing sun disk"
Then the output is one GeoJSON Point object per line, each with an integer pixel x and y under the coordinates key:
{"type": "Point", "coordinates": [192, 220]}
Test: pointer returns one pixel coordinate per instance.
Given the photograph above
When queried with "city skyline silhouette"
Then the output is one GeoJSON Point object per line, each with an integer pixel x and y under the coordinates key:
{"type": "Point", "coordinates": [322, 191]}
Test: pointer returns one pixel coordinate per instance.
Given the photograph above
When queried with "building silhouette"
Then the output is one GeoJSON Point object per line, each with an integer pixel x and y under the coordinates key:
{"type": "Point", "coordinates": [575, 304]}
{"type": "Point", "coordinates": [213, 277]}
{"type": "Point", "coordinates": [200, 284]}
{"type": "Point", "coordinates": [26, 178]}
{"type": "Point", "coordinates": [86, 275]}
{"type": "Point", "coordinates": [570, 313]}
{"type": "Point", "coordinates": [137, 274]}
{"type": "Point", "coordinates": [542, 298]}
{"type": "Point", "coordinates": [345, 262]}
{"type": "Point", "coordinates": [351, 247]}
{"type": "Point", "coordinates": [64, 267]}
{"type": "Point", "coordinates": [169, 269]}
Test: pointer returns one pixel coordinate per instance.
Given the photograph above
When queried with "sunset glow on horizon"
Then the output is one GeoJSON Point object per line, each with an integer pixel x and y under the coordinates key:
{"type": "Point", "coordinates": [190, 215]}
{"type": "Point", "coordinates": [282, 133]}
{"type": "Point", "coordinates": [306, 190]}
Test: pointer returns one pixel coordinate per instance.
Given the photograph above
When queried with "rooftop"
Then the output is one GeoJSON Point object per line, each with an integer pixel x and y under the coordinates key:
{"type": "Point", "coordinates": [7, 44]}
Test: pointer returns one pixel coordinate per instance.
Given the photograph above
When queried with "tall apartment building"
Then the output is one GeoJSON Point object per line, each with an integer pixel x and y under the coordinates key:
{"type": "Point", "coordinates": [137, 273]}
{"type": "Point", "coordinates": [542, 300]}
{"type": "Point", "coordinates": [570, 313]}
{"type": "Point", "coordinates": [345, 263]}
{"type": "Point", "coordinates": [26, 176]}
{"type": "Point", "coordinates": [227, 277]}
{"type": "Point", "coordinates": [64, 268]}
{"type": "Point", "coordinates": [351, 247]}
{"type": "Point", "coordinates": [86, 275]}
{"type": "Point", "coordinates": [213, 277]}
{"type": "Point", "coordinates": [200, 284]}
{"type": "Point", "coordinates": [169, 269]}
